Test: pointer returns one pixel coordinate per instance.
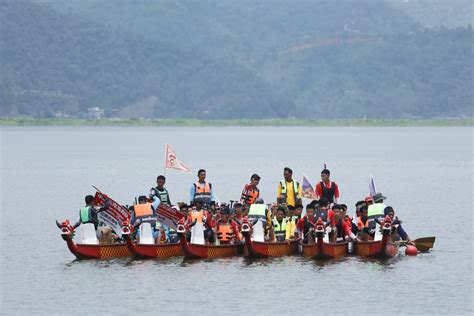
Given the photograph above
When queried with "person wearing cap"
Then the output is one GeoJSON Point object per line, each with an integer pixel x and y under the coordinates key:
{"type": "Point", "coordinates": [398, 232]}
{"type": "Point", "coordinates": [202, 191]}
{"type": "Point", "coordinates": [304, 225]}
{"type": "Point", "coordinates": [368, 200]}
{"type": "Point", "coordinates": [327, 188]}
{"type": "Point", "coordinates": [375, 212]}
{"type": "Point", "coordinates": [251, 193]}
{"type": "Point", "coordinates": [227, 229]}
{"type": "Point", "coordinates": [288, 191]}
{"type": "Point", "coordinates": [342, 229]}
{"type": "Point", "coordinates": [160, 191]}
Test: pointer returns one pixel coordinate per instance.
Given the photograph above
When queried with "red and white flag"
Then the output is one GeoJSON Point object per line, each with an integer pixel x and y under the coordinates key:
{"type": "Point", "coordinates": [171, 162]}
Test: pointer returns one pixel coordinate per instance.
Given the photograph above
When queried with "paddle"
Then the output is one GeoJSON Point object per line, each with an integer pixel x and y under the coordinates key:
{"type": "Point", "coordinates": [423, 244]}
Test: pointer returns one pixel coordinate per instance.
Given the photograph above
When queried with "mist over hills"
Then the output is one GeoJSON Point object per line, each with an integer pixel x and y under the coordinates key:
{"type": "Point", "coordinates": [230, 59]}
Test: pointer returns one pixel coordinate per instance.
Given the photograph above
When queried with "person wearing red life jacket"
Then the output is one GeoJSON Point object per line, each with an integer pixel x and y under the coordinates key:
{"type": "Point", "coordinates": [327, 188]}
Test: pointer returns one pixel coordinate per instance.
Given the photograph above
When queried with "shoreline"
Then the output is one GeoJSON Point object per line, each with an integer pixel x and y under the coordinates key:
{"type": "Point", "coordinates": [241, 122]}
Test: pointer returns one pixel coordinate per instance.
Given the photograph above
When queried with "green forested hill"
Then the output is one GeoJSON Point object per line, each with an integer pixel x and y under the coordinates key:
{"type": "Point", "coordinates": [230, 59]}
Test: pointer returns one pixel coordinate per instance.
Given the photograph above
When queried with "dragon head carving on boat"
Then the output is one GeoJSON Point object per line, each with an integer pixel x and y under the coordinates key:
{"type": "Point", "coordinates": [319, 228]}
{"type": "Point", "coordinates": [67, 230]}
{"type": "Point", "coordinates": [127, 228]}
{"type": "Point", "coordinates": [181, 227]}
{"type": "Point", "coordinates": [387, 225]}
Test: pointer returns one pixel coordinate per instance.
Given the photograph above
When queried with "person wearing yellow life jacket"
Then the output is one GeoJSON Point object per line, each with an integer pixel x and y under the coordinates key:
{"type": "Point", "coordinates": [375, 212]}
{"type": "Point", "coordinates": [201, 191]}
{"type": "Point", "coordinates": [281, 230]}
{"type": "Point", "coordinates": [227, 229]}
{"type": "Point", "coordinates": [160, 191]}
{"type": "Point", "coordinates": [250, 193]}
{"type": "Point", "coordinates": [288, 191]}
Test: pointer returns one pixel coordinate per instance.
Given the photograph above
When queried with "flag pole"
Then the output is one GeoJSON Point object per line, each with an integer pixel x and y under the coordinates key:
{"type": "Point", "coordinates": [164, 165]}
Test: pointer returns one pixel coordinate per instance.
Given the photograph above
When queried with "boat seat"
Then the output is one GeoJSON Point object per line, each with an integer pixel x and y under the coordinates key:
{"type": "Point", "coordinates": [88, 234]}
{"type": "Point", "coordinates": [146, 235]}
{"type": "Point", "coordinates": [257, 231]}
{"type": "Point", "coordinates": [197, 234]}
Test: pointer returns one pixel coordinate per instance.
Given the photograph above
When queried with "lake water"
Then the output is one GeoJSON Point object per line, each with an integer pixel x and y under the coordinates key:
{"type": "Point", "coordinates": [426, 173]}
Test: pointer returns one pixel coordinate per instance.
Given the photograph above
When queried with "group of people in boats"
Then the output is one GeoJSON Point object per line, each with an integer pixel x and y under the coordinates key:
{"type": "Point", "coordinates": [282, 220]}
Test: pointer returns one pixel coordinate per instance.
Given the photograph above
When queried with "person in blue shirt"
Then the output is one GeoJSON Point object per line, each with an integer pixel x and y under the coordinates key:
{"type": "Point", "coordinates": [398, 229]}
{"type": "Point", "coordinates": [202, 191]}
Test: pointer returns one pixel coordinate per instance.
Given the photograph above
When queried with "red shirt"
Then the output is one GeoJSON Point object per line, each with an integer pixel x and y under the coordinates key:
{"type": "Point", "coordinates": [300, 224]}
{"type": "Point", "coordinates": [346, 228]}
{"type": "Point", "coordinates": [319, 189]}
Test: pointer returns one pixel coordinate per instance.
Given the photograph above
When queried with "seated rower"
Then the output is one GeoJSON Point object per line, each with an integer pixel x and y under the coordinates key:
{"type": "Point", "coordinates": [227, 229]}
{"type": "Point", "coordinates": [327, 215]}
{"type": "Point", "coordinates": [305, 224]}
{"type": "Point", "coordinates": [145, 212]}
{"type": "Point", "coordinates": [88, 214]}
{"type": "Point", "coordinates": [280, 230]}
{"type": "Point", "coordinates": [398, 232]}
{"type": "Point", "coordinates": [343, 228]}
{"type": "Point", "coordinates": [363, 225]}
{"type": "Point", "coordinates": [202, 215]}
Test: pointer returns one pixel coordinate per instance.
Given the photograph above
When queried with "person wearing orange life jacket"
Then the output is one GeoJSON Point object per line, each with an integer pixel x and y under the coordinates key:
{"type": "Point", "coordinates": [227, 229]}
{"type": "Point", "coordinates": [288, 191]}
{"type": "Point", "coordinates": [145, 212]}
{"type": "Point", "coordinates": [363, 224]}
{"type": "Point", "coordinates": [250, 193]}
{"type": "Point", "coordinates": [201, 191]}
{"type": "Point", "coordinates": [201, 215]}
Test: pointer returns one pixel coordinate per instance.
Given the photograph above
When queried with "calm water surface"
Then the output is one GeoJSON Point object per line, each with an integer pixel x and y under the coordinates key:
{"type": "Point", "coordinates": [426, 173]}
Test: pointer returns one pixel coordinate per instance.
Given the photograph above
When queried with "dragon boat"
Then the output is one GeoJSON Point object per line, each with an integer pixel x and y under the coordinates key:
{"type": "Point", "coordinates": [256, 247]}
{"type": "Point", "coordinates": [321, 249]}
{"type": "Point", "coordinates": [197, 249]}
{"type": "Point", "coordinates": [90, 248]}
{"type": "Point", "coordinates": [146, 248]}
{"type": "Point", "coordinates": [384, 248]}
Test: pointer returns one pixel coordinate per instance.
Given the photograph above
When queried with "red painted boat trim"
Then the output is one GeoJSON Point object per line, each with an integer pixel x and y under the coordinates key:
{"type": "Point", "coordinates": [100, 251]}
{"type": "Point", "coordinates": [161, 251]}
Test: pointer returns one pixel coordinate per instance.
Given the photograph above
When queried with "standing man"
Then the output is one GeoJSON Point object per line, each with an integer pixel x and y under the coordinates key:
{"type": "Point", "coordinates": [289, 191]}
{"type": "Point", "coordinates": [327, 188]}
{"type": "Point", "coordinates": [160, 191]}
{"type": "Point", "coordinates": [201, 191]}
{"type": "Point", "coordinates": [251, 193]}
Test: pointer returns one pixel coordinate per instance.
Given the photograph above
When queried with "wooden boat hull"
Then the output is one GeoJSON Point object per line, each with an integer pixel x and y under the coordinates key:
{"type": "Point", "coordinates": [100, 251]}
{"type": "Point", "coordinates": [382, 249]}
{"type": "Point", "coordinates": [256, 249]}
{"type": "Point", "coordinates": [195, 251]}
{"type": "Point", "coordinates": [321, 250]}
{"type": "Point", "coordinates": [161, 251]}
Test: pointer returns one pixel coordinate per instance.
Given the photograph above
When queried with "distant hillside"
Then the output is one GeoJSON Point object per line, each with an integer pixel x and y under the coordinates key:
{"type": "Point", "coordinates": [62, 63]}
{"type": "Point", "coordinates": [230, 59]}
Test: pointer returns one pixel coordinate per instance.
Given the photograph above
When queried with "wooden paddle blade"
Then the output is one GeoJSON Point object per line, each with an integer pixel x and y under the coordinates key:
{"type": "Point", "coordinates": [424, 243]}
